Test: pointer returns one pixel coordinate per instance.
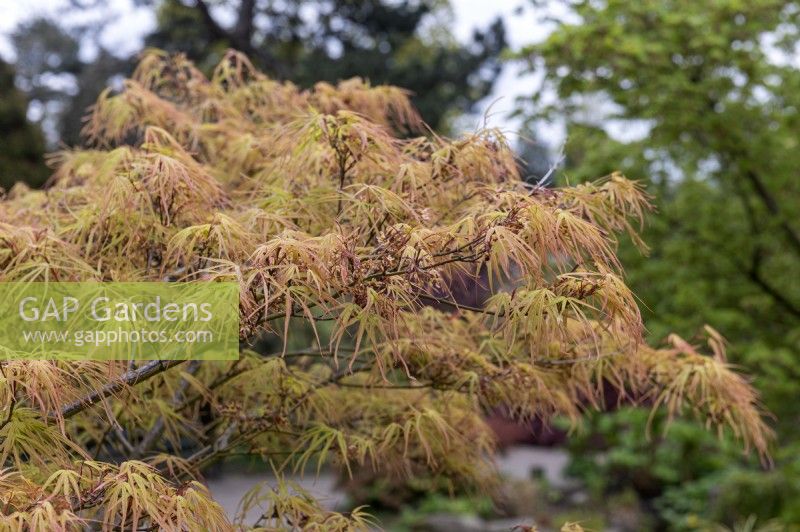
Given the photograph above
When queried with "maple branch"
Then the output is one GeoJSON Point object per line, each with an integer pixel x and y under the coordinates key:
{"type": "Point", "coordinates": [129, 378]}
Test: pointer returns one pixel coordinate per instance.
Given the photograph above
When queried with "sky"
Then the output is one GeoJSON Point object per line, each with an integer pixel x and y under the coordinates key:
{"type": "Point", "coordinates": [129, 24]}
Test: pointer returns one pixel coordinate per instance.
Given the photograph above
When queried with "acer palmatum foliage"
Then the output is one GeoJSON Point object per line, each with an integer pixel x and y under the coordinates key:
{"type": "Point", "coordinates": [325, 217]}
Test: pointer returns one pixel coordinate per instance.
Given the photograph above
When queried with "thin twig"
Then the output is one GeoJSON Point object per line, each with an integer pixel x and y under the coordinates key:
{"type": "Point", "coordinates": [129, 378]}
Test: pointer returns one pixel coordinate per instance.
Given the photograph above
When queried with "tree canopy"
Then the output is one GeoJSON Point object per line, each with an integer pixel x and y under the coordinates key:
{"type": "Point", "coordinates": [406, 43]}
{"type": "Point", "coordinates": [712, 117]}
{"type": "Point", "coordinates": [699, 100]}
{"type": "Point", "coordinates": [324, 216]}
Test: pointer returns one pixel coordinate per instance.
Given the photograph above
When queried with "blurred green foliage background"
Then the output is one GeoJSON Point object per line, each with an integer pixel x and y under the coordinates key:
{"type": "Point", "coordinates": [701, 101]}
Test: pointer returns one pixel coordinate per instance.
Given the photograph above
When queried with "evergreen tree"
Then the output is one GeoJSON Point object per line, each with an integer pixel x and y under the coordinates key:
{"type": "Point", "coordinates": [22, 151]}
{"type": "Point", "coordinates": [46, 52]}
